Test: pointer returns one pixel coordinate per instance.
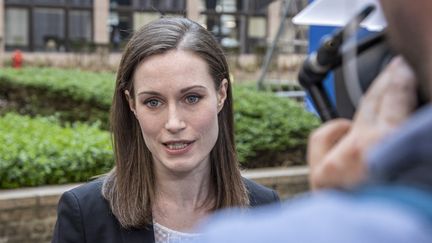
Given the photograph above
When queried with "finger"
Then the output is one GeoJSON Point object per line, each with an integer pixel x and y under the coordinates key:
{"type": "Point", "coordinates": [370, 104]}
{"type": "Point", "coordinates": [342, 167]}
{"type": "Point", "coordinates": [384, 79]}
{"type": "Point", "coordinates": [324, 138]}
{"type": "Point", "coordinates": [323, 175]}
{"type": "Point", "coordinates": [400, 99]}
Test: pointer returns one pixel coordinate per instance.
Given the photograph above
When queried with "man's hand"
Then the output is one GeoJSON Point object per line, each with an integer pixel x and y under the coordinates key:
{"type": "Point", "coordinates": [336, 151]}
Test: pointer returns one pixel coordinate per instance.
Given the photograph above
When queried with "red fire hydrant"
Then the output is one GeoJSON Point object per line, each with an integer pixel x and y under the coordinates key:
{"type": "Point", "coordinates": [17, 59]}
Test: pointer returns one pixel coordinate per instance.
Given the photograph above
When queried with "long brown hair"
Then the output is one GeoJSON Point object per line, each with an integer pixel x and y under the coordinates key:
{"type": "Point", "coordinates": [130, 186]}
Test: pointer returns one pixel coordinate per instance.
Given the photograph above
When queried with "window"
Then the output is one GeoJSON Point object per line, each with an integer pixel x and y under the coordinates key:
{"type": "Point", "coordinates": [80, 3]}
{"type": "Point", "coordinates": [49, 2]}
{"type": "Point", "coordinates": [120, 28]}
{"type": "Point", "coordinates": [161, 5]}
{"type": "Point", "coordinates": [115, 3]}
{"type": "Point", "coordinates": [16, 27]}
{"type": "Point", "coordinates": [257, 27]}
{"type": "Point", "coordinates": [142, 18]}
{"type": "Point", "coordinates": [17, 1]}
{"type": "Point", "coordinates": [79, 27]}
{"type": "Point", "coordinates": [48, 26]}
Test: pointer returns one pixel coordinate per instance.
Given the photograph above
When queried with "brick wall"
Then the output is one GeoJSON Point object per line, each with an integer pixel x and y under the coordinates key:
{"type": "Point", "coordinates": [27, 219]}
{"type": "Point", "coordinates": [28, 215]}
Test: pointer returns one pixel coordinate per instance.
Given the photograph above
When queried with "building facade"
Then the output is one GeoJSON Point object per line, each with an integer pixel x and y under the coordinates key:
{"type": "Point", "coordinates": [242, 26]}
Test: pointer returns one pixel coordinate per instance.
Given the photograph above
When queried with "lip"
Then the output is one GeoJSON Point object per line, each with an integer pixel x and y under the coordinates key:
{"type": "Point", "coordinates": [178, 151]}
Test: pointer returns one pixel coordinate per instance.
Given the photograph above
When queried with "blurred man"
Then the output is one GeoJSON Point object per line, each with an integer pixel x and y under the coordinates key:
{"type": "Point", "coordinates": [382, 160]}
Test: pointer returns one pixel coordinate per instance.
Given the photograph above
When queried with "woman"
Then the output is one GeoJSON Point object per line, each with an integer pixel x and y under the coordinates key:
{"type": "Point", "coordinates": [172, 125]}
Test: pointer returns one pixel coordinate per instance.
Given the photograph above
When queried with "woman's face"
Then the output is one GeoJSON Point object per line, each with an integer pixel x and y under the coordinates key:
{"type": "Point", "coordinates": [176, 104]}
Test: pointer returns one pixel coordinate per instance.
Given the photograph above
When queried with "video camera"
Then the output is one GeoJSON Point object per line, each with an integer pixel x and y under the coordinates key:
{"type": "Point", "coordinates": [374, 54]}
{"type": "Point", "coordinates": [364, 59]}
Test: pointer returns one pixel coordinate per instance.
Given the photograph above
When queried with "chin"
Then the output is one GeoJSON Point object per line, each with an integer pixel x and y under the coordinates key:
{"type": "Point", "coordinates": [184, 167]}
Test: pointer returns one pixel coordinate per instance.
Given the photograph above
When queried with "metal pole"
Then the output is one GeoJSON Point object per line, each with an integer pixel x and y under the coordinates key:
{"type": "Point", "coordinates": [270, 51]}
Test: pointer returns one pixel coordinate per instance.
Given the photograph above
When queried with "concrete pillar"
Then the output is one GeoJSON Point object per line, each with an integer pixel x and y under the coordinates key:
{"type": "Point", "coordinates": [2, 31]}
{"type": "Point", "coordinates": [274, 19]}
{"type": "Point", "coordinates": [193, 11]}
{"type": "Point", "coordinates": [100, 21]}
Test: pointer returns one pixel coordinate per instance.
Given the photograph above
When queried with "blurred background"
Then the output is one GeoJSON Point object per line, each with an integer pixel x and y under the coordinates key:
{"type": "Point", "coordinates": [48, 31]}
{"type": "Point", "coordinates": [58, 63]}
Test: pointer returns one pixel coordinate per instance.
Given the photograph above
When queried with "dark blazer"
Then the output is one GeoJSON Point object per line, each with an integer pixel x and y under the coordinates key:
{"type": "Point", "coordinates": [83, 215]}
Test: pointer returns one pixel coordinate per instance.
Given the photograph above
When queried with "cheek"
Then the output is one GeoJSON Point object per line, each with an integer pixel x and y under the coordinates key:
{"type": "Point", "coordinates": [149, 125]}
{"type": "Point", "coordinates": [206, 122]}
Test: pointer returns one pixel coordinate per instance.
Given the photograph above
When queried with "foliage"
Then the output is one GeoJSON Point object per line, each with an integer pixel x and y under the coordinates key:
{"type": "Point", "coordinates": [269, 130]}
{"type": "Point", "coordinates": [90, 87]}
{"type": "Point", "coordinates": [37, 151]}
{"type": "Point", "coordinates": [266, 124]}
{"type": "Point", "coordinates": [73, 95]}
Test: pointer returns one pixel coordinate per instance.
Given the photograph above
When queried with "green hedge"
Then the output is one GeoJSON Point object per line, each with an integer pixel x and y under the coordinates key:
{"type": "Point", "coordinates": [73, 95]}
{"type": "Point", "coordinates": [269, 130]}
{"type": "Point", "coordinates": [38, 151]}
{"type": "Point", "coordinates": [79, 86]}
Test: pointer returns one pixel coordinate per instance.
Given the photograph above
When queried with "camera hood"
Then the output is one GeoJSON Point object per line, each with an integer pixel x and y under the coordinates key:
{"type": "Point", "coordinates": [373, 54]}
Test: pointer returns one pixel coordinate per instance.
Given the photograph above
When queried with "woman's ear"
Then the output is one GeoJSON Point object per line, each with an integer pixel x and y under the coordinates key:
{"type": "Point", "coordinates": [130, 101]}
{"type": "Point", "coordinates": [222, 93]}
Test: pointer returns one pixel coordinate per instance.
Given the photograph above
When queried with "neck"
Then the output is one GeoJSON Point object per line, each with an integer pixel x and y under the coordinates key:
{"type": "Point", "coordinates": [421, 64]}
{"type": "Point", "coordinates": [188, 190]}
{"type": "Point", "coordinates": [429, 81]}
{"type": "Point", "coordinates": [181, 198]}
{"type": "Point", "coordinates": [425, 80]}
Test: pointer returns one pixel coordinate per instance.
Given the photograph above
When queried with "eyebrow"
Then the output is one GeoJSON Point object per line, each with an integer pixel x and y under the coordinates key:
{"type": "Point", "coordinates": [182, 91]}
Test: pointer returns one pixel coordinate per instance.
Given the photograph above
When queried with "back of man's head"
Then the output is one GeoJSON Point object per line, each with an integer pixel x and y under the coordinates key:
{"type": "Point", "coordinates": [411, 35]}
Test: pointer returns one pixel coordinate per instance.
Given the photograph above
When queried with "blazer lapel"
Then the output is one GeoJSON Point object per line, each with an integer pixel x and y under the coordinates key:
{"type": "Point", "coordinates": [145, 235]}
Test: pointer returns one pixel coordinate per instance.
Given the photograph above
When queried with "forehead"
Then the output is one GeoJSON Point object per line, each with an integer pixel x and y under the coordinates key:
{"type": "Point", "coordinates": [173, 69]}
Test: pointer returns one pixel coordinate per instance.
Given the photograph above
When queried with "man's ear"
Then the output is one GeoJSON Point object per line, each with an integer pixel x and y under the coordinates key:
{"type": "Point", "coordinates": [222, 93]}
{"type": "Point", "coordinates": [130, 101]}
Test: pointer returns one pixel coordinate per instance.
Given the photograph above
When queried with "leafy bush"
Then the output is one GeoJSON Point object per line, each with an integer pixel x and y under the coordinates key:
{"type": "Point", "coordinates": [72, 94]}
{"type": "Point", "coordinates": [270, 131]}
{"type": "Point", "coordinates": [37, 151]}
{"type": "Point", "coordinates": [91, 87]}
{"type": "Point", "coordinates": [269, 128]}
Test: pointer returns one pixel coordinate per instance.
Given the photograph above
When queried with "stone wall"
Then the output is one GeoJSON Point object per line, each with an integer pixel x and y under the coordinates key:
{"type": "Point", "coordinates": [27, 219]}
{"type": "Point", "coordinates": [28, 215]}
{"type": "Point", "coordinates": [288, 182]}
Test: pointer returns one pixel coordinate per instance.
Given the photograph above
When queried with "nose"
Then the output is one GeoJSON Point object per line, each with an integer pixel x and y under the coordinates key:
{"type": "Point", "coordinates": [174, 121]}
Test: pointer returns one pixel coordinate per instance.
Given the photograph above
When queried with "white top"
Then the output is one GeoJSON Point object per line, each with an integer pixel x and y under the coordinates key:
{"type": "Point", "coordinates": [166, 235]}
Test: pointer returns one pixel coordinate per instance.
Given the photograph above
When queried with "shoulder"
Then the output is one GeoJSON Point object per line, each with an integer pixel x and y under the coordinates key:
{"type": "Point", "coordinates": [83, 213]}
{"type": "Point", "coordinates": [330, 215]}
{"type": "Point", "coordinates": [88, 193]}
{"type": "Point", "coordinates": [89, 188]}
{"type": "Point", "coordinates": [86, 200]}
{"type": "Point", "coordinates": [89, 197]}
{"type": "Point", "coordinates": [87, 203]}
{"type": "Point", "coordinates": [259, 194]}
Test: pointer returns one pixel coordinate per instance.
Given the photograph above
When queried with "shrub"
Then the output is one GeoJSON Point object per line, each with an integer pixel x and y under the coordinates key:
{"type": "Point", "coordinates": [270, 130]}
{"type": "Point", "coordinates": [72, 94]}
{"type": "Point", "coordinates": [37, 151]}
